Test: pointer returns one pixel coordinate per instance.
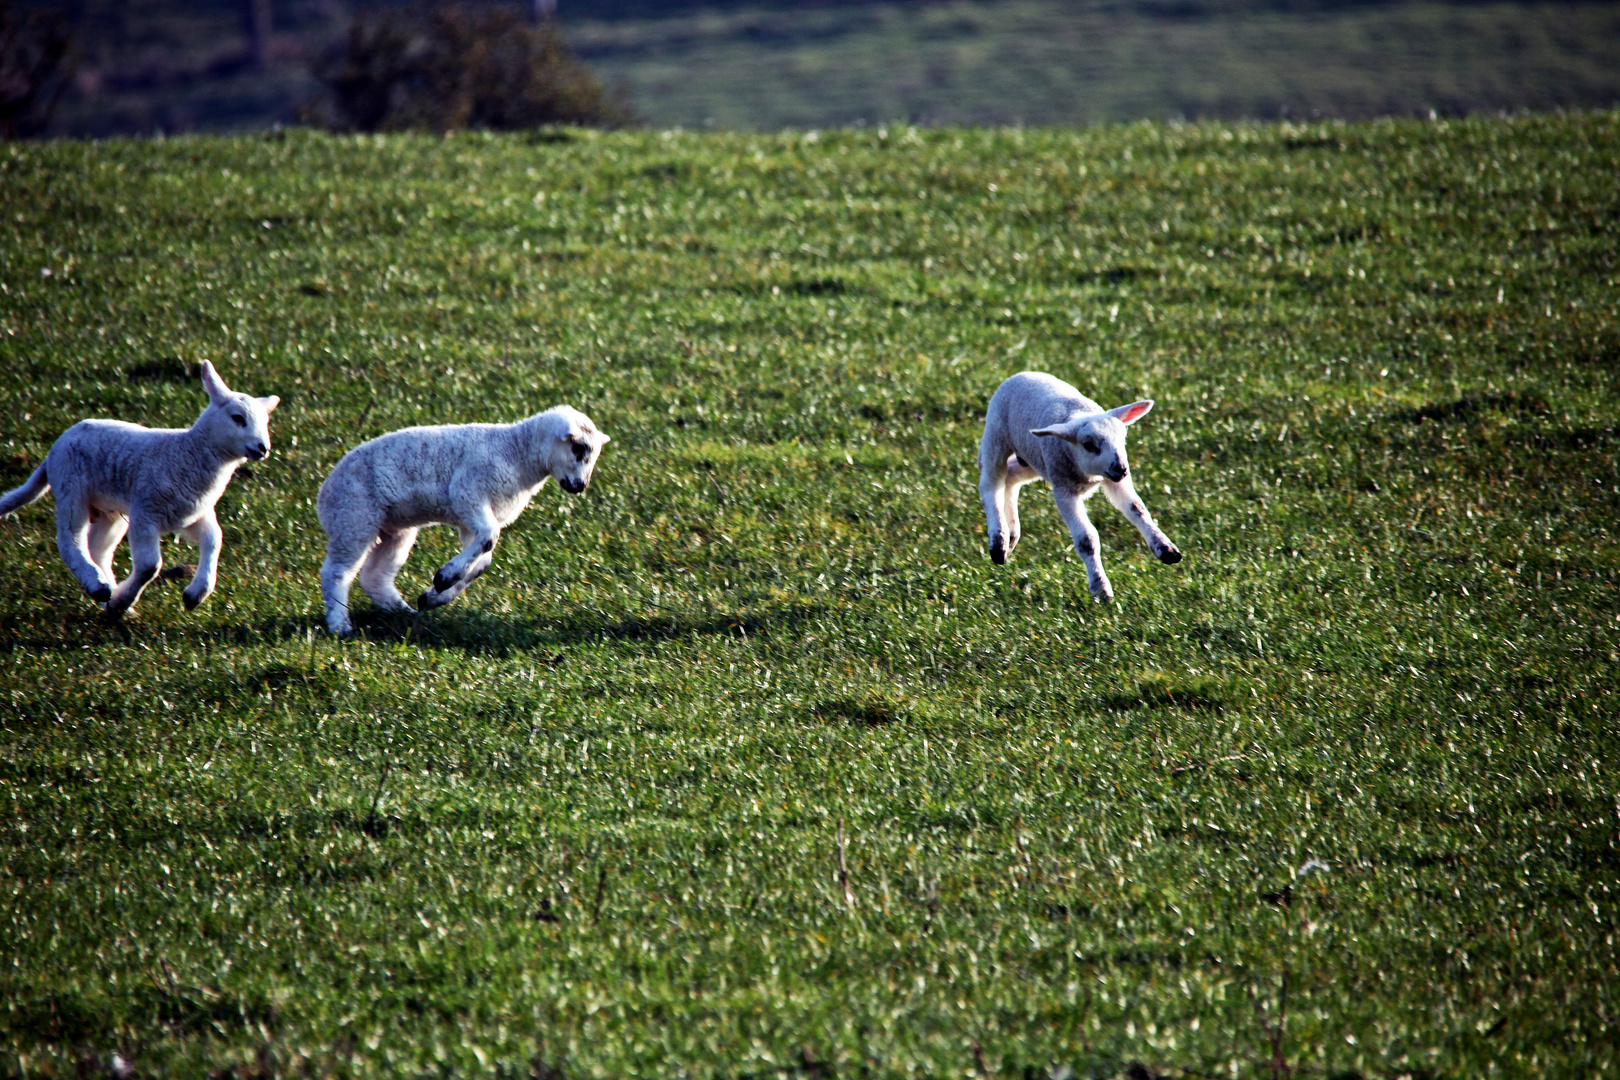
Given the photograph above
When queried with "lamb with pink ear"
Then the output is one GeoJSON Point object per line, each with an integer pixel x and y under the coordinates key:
{"type": "Point", "coordinates": [113, 478]}
{"type": "Point", "coordinates": [1040, 428]}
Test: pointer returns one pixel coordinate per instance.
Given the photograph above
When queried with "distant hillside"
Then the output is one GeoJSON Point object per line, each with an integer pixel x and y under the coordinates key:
{"type": "Point", "coordinates": [179, 65]}
{"type": "Point", "coordinates": [1061, 62]}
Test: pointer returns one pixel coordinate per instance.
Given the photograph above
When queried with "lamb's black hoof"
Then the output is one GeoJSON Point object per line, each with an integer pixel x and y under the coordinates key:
{"type": "Point", "coordinates": [101, 594]}
{"type": "Point", "coordinates": [998, 552]}
{"type": "Point", "coordinates": [1170, 557]}
{"type": "Point", "coordinates": [443, 581]}
{"type": "Point", "coordinates": [190, 602]}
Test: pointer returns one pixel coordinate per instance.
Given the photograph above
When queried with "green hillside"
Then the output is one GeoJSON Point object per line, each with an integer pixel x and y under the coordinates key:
{"type": "Point", "coordinates": [747, 761]}
{"type": "Point", "coordinates": [1060, 62]}
{"type": "Point", "coordinates": [164, 65]}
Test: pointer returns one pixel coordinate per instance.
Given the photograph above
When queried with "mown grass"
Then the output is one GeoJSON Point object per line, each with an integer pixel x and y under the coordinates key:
{"type": "Point", "coordinates": [748, 762]}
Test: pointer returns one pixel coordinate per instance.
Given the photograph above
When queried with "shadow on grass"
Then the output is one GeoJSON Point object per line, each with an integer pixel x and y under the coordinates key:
{"type": "Point", "coordinates": [477, 633]}
{"type": "Point", "coordinates": [462, 628]}
{"type": "Point", "coordinates": [71, 1018]}
{"type": "Point", "coordinates": [1156, 691]}
{"type": "Point", "coordinates": [1469, 406]}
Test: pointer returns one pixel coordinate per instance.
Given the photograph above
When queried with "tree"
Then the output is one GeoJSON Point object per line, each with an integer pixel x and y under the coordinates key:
{"type": "Point", "coordinates": [35, 67]}
{"type": "Point", "coordinates": [439, 68]}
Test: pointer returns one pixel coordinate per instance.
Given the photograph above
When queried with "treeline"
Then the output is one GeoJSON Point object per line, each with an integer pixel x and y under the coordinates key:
{"type": "Point", "coordinates": [422, 65]}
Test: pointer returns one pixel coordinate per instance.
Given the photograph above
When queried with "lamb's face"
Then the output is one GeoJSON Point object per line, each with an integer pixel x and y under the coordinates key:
{"type": "Point", "coordinates": [574, 454]}
{"type": "Point", "coordinates": [1098, 439]}
{"type": "Point", "coordinates": [240, 426]}
{"type": "Point", "coordinates": [1099, 448]}
{"type": "Point", "coordinates": [236, 424]}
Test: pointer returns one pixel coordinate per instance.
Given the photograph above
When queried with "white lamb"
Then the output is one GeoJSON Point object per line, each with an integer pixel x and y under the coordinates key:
{"type": "Point", "coordinates": [477, 477]}
{"type": "Point", "coordinates": [111, 478]}
{"type": "Point", "coordinates": [1039, 427]}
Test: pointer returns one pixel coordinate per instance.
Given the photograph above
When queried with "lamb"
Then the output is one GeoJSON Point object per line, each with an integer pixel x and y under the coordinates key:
{"type": "Point", "coordinates": [477, 477]}
{"type": "Point", "coordinates": [112, 477]}
{"type": "Point", "coordinates": [1040, 427]}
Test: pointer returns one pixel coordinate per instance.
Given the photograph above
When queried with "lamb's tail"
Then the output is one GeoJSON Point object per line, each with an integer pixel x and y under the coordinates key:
{"type": "Point", "coordinates": [33, 488]}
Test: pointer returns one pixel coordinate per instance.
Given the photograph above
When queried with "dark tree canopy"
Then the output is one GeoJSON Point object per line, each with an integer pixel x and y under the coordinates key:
{"type": "Point", "coordinates": [440, 68]}
{"type": "Point", "coordinates": [34, 70]}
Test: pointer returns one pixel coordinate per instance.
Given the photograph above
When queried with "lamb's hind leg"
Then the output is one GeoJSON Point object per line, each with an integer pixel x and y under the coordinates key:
{"type": "Point", "coordinates": [481, 546]}
{"type": "Point", "coordinates": [1125, 499]}
{"type": "Point", "coordinates": [345, 553]}
{"type": "Point", "coordinates": [73, 525]}
{"type": "Point", "coordinates": [1018, 474]}
{"type": "Point", "coordinates": [146, 551]}
{"type": "Point", "coordinates": [993, 493]}
{"type": "Point", "coordinates": [383, 565]}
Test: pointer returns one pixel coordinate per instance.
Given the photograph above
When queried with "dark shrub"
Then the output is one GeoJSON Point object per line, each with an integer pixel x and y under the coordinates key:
{"type": "Point", "coordinates": [34, 70]}
{"type": "Point", "coordinates": [440, 68]}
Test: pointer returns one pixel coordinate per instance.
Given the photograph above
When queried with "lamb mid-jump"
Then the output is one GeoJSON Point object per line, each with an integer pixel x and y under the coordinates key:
{"type": "Point", "coordinates": [111, 478]}
{"type": "Point", "coordinates": [1039, 427]}
{"type": "Point", "coordinates": [477, 477]}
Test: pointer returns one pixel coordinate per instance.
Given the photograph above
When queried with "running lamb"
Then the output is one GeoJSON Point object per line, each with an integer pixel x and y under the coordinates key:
{"type": "Point", "coordinates": [477, 477]}
{"type": "Point", "coordinates": [1039, 427]}
{"type": "Point", "coordinates": [111, 478]}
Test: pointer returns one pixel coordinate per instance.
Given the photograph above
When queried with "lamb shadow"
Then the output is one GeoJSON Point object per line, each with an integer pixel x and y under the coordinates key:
{"type": "Point", "coordinates": [455, 627]}
{"type": "Point", "coordinates": [665, 624]}
{"type": "Point", "coordinates": [478, 633]}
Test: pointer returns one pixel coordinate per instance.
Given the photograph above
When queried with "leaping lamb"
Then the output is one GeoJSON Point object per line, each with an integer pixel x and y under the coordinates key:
{"type": "Point", "coordinates": [112, 477]}
{"type": "Point", "coordinates": [1040, 427]}
{"type": "Point", "coordinates": [476, 477]}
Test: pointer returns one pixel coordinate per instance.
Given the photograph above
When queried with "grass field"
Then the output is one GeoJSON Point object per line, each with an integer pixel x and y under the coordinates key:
{"type": "Point", "coordinates": [747, 762]}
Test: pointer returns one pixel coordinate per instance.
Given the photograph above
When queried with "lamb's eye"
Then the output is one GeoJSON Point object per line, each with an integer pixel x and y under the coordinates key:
{"type": "Point", "coordinates": [241, 421]}
{"type": "Point", "coordinates": [581, 451]}
{"type": "Point", "coordinates": [1090, 445]}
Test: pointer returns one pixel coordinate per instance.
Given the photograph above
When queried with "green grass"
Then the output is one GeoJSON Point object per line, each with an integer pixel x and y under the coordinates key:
{"type": "Point", "coordinates": [590, 820]}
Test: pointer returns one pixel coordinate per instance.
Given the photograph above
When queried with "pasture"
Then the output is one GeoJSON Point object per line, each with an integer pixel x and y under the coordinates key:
{"type": "Point", "coordinates": [747, 761]}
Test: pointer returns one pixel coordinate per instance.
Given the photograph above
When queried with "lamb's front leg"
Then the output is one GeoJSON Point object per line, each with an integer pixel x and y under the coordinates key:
{"type": "Point", "coordinates": [207, 535]}
{"type": "Point", "coordinates": [1124, 497]}
{"type": "Point", "coordinates": [1073, 509]}
{"type": "Point", "coordinates": [479, 532]}
{"type": "Point", "coordinates": [146, 551]}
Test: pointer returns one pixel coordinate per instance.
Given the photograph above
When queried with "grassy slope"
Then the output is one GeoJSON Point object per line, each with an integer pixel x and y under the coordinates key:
{"type": "Point", "coordinates": [175, 65]}
{"type": "Point", "coordinates": [1059, 61]}
{"type": "Point", "coordinates": [590, 816]}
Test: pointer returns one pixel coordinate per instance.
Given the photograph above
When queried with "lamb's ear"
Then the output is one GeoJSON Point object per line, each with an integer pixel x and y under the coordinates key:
{"type": "Point", "coordinates": [1130, 414]}
{"type": "Point", "coordinates": [270, 403]}
{"type": "Point", "coordinates": [1062, 431]}
{"type": "Point", "coordinates": [218, 392]}
{"type": "Point", "coordinates": [605, 439]}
